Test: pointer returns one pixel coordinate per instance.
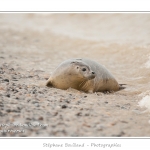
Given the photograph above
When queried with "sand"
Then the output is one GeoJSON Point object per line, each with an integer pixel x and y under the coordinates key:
{"type": "Point", "coordinates": [33, 45]}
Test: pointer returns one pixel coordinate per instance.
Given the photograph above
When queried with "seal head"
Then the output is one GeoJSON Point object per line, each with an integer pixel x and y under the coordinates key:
{"type": "Point", "coordinates": [83, 70]}
{"type": "Point", "coordinates": [71, 75]}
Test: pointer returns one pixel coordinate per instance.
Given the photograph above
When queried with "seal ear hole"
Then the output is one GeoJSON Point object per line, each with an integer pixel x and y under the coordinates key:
{"type": "Point", "coordinates": [84, 69]}
{"type": "Point", "coordinates": [77, 67]}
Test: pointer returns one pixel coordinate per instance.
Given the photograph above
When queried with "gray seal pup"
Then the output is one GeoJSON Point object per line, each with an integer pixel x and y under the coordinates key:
{"type": "Point", "coordinates": [83, 74]}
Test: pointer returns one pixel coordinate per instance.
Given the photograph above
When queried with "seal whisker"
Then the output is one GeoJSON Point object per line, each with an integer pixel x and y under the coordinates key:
{"type": "Point", "coordinates": [86, 85]}
{"type": "Point", "coordinates": [82, 83]}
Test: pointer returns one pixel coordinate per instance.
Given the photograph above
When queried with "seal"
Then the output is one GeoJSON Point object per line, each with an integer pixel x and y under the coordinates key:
{"type": "Point", "coordinates": [82, 74]}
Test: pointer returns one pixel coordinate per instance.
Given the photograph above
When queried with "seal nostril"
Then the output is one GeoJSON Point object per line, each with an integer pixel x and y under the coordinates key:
{"type": "Point", "coordinates": [93, 72]}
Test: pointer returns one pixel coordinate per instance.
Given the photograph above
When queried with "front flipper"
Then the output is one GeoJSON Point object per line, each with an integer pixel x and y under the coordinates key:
{"type": "Point", "coordinates": [90, 91]}
{"type": "Point", "coordinates": [49, 82]}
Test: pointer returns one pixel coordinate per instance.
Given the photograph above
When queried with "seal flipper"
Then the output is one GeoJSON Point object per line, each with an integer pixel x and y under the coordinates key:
{"type": "Point", "coordinates": [90, 91]}
{"type": "Point", "coordinates": [49, 82]}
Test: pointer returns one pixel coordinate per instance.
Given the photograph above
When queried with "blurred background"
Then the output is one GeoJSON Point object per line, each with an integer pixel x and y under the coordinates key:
{"type": "Point", "coordinates": [120, 41]}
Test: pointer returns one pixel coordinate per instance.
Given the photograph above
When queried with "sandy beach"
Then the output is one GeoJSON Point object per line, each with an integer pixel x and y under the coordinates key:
{"type": "Point", "coordinates": [33, 45]}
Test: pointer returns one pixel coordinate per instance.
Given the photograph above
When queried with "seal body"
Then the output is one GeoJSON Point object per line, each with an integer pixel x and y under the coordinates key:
{"type": "Point", "coordinates": [83, 74]}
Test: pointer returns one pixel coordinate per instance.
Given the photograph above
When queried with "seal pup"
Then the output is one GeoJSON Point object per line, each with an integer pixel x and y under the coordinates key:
{"type": "Point", "coordinates": [83, 74]}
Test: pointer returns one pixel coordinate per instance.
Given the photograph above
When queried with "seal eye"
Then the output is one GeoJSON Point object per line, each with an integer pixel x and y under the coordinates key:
{"type": "Point", "coordinates": [84, 69]}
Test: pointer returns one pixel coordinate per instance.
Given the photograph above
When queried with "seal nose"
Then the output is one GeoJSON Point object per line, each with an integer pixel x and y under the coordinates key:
{"type": "Point", "coordinates": [92, 75]}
